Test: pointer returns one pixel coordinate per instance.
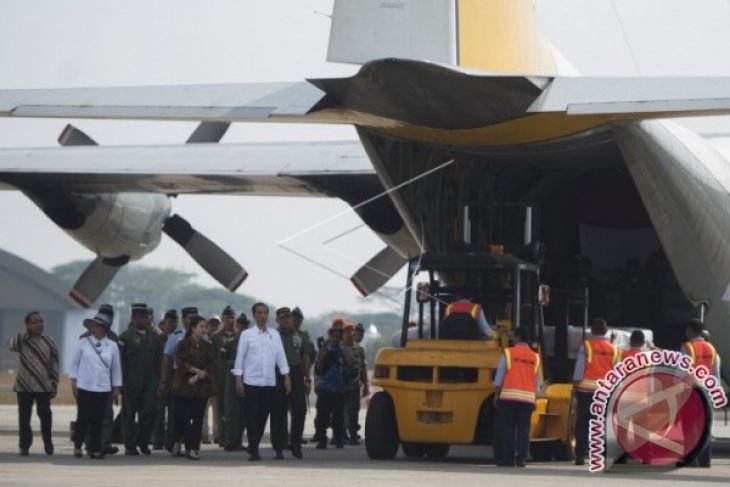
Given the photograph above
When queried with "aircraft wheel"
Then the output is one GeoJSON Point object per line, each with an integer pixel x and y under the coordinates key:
{"type": "Point", "coordinates": [381, 428]}
{"type": "Point", "coordinates": [413, 450]}
{"type": "Point", "coordinates": [437, 450]}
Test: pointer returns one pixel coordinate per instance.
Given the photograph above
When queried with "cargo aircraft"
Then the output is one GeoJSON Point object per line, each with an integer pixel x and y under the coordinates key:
{"type": "Point", "coordinates": [471, 127]}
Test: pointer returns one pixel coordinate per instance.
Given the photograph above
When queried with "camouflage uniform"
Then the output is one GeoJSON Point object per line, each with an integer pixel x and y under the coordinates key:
{"type": "Point", "coordinates": [223, 367]}
{"type": "Point", "coordinates": [356, 378]}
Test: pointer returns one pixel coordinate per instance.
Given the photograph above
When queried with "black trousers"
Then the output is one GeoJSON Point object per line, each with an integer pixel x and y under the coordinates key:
{"type": "Point", "coordinates": [259, 400]}
{"type": "Point", "coordinates": [515, 421]}
{"type": "Point", "coordinates": [582, 422]}
{"type": "Point", "coordinates": [91, 408]}
{"type": "Point", "coordinates": [294, 403]}
{"type": "Point", "coordinates": [189, 414]}
{"type": "Point", "coordinates": [25, 409]}
{"type": "Point", "coordinates": [330, 410]}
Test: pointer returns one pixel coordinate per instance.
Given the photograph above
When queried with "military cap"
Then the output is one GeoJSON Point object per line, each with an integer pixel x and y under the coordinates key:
{"type": "Point", "coordinates": [297, 313]}
{"type": "Point", "coordinates": [284, 311]}
{"type": "Point", "coordinates": [228, 311]}
{"type": "Point", "coordinates": [189, 310]}
{"type": "Point", "coordinates": [171, 314]}
{"type": "Point", "coordinates": [139, 308]}
{"type": "Point", "coordinates": [107, 309]}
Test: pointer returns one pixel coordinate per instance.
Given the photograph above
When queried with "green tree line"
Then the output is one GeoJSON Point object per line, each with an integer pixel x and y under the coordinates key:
{"type": "Point", "coordinates": [167, 288]}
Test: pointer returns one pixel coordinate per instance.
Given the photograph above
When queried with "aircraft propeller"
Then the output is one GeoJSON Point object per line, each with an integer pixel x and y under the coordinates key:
{"type": "Point", "coordinates": [219, 264]}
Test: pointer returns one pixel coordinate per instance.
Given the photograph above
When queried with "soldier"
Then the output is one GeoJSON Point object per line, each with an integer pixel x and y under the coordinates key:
{"type": "Point", "coordinates": [167, 370]}
{"type": "Point", "coordinates": [234, 407]}
{"type": "Point", "coordinates": [357, 376]}
{"type": "Point", "coordinates": [225, 334]}
{"type": "Point", "coordinates": [167, 327]}
{"type": "Point", "coordinates": [140, 352]}
{"type": "Point", "coordinates": [297, 358]}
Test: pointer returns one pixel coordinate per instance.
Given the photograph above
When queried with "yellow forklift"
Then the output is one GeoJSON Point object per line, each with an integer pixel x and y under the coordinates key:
{"type": "Point", "coordinates": [437, 386]}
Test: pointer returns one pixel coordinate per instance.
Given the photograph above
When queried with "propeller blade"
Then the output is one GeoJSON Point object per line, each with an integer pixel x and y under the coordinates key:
{"type": "Point", "coordinates": [208, 132]}
{"type": "Point", "coordinates": [378, 270]}
{"type": "Point", "coordinates": [92, 282]}
{"type": "Point", "coordinates": [221, 266]}
{"type": "Point", "coordinates": [72, 136]}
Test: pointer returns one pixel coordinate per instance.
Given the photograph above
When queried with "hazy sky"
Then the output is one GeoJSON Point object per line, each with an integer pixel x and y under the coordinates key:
{"type": "Point", "coordinates": [74, 43]}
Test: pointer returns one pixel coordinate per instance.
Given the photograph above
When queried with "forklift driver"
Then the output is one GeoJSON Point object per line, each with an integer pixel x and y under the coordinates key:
{"type": "Point", "coordinates": [467, 307]}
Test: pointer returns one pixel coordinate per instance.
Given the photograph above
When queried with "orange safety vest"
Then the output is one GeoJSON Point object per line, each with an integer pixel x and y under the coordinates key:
{"type": "Point", "coordinates": [464, 306]}
{"type": "Point", "coordinates": [630, 352]}
{"type": "Point", "coordinates": [519, 377]}
{"type": "Point", "coordinates": [701, 352]}
{"type": "Point", "coordinates": [601, 356]}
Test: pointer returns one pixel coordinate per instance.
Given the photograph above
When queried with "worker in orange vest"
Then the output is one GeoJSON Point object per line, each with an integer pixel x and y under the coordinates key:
{"type": "Point", "coordinates": [595, 358]}
{"type": "Point", "coordinates": [637, 341]}
{"type": "Point", "coordinates": [474, 309]}
{"type": "Point", "coordinates": [517, 383]}
{"type": "Point", "coordinates": [702, 353]}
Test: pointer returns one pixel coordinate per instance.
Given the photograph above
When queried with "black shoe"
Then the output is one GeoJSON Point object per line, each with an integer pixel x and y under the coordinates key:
{"type": "Point", "coordinates": [254, 457]}
{"type": "Point", "coordinates": [297, 453]}
{"type": "Point", "coordinates": [520, 462]}
{"type": "Point", "coordinates": [131, 452]}
{"type": "Point", "coordinates": [48, 448]}
{"type": "Point", "coordinates": [24, 452]}
{"type": "Point", "coordinates": [109, 450]}
{"type": "Point", "coordinates": [279, 455]}
{"type": "Point", "coordinates": [322, 445]}
{"type": "Point", "coordinates": [145, 450]}
{"type": "Point", "coordinates": [580, 461]}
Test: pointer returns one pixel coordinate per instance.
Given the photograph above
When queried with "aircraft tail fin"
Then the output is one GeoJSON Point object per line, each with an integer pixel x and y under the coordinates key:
{"type": "Point", "coordinates": [496, 35]}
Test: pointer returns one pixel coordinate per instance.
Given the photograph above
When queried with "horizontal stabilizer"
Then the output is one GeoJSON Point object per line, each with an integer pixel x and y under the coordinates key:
{"type": "Point", "coordinates": [378, 270]}
{"type": "Point", "coordinates": [216, 262]}
{"type": "Point", "coordinates": [92, 282]}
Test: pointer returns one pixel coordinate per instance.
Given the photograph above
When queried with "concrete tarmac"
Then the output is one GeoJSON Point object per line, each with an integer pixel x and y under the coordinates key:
{"type": "Point", "coordinates": [465, 466]}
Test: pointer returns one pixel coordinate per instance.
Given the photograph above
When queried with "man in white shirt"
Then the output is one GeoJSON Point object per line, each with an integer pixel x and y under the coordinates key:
{"type": "Point", "coordinates": [259, 353]}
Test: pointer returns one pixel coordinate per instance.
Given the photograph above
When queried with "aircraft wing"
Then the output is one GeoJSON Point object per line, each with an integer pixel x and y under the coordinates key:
{"type": "Point", "coordinates": [266, 169]}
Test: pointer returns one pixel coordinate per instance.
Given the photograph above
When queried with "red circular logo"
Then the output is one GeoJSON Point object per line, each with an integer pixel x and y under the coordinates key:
{"type": "Point", "coordinates": [659, 418]}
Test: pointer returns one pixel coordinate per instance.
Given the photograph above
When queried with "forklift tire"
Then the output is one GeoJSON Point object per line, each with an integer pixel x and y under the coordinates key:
{"type": "Point", "coordinates": [542, 451]}
{"type": "Point", "coordinates": [381, 428]}
{"type": "Point", "coordinates": [413, 450]}
{"type": "Point", "coordinates": [437, 450]}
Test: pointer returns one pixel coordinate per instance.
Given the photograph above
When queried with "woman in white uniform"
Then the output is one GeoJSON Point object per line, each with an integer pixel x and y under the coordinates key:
{"type": "Point", "coordinates": [95, 373]}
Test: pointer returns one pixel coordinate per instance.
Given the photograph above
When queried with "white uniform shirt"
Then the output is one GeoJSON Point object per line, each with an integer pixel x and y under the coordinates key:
{"type": "Point", "coordinates": [96, 372]}
{"type": "Point", "coordinates": [258, 354]}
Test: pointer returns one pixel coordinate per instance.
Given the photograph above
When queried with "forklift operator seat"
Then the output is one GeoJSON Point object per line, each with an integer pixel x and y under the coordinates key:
{"type": "Point", "coordinates": [459, 326]}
